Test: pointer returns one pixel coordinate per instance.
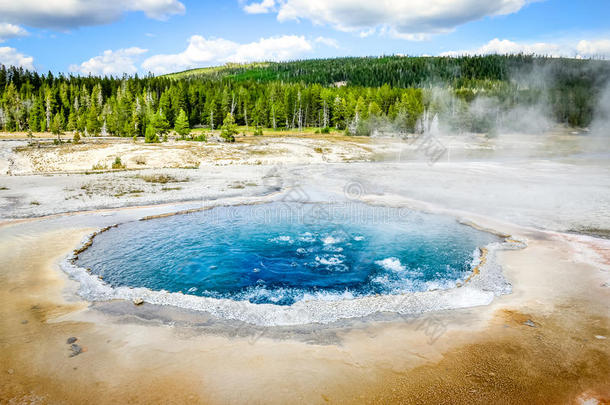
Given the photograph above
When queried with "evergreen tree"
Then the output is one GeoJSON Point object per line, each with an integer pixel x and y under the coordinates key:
{"type": "Point", "coordinates": [374, 109]}
{"type": "Point", "coordinates": [229, 128]}
{"type": "Point", "coordinates": [308, 93]}
{"type": "Point", "coordinates": [57, 125]}
{"type": "Point", "coordinates": [182, 124]}
{"type": "Point", "coordinates": [159, 123]}
{"type": "Point", "coordinates": [36, 120]}
{"type": "Point", "coordinates": [151, 136]}
{"type": "Point", "coordinates": [72, 122]}
{"type": "Point", "coordinates": [338, 113]}
{"type": "Point", "coordinates": [93, 125]}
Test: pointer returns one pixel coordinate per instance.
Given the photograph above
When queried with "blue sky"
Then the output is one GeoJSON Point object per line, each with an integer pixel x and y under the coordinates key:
{"type": "Point", "coordinates": [118, 36]}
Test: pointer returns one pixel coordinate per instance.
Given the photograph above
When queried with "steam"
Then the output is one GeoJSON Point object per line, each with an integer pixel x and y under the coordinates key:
{"type": "Point", "coordinates": [537, 98]}
{"type": "Point", "coordinates": [495, 119]}
{"type": "Point", "coordinates": [601, 121]}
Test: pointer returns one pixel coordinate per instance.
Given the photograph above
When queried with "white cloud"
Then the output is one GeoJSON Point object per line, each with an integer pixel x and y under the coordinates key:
{"type": "Point", "coordinates": [596, 48]}
{"type": "Point", "coordinates": [11, 31]}
{"type": "Point", "coordinates": [367, 33]}
{"type": "Point", "coordinates": [330, 42]}
{"type": "Point", "coordinates": [111, 63]}
{"type": "Point", "coordinates": [402, 19]}
{"type": "Point", "coordinates": [204, 52]}
{"type": "Point", "coordinates": [274, 48]}
{"type": "Point", "coordinates": [583, 49]}
{"type": "Point", "coordinates": [65, 14]}
{"type": "Point", "coordinates": [504, 46]}
{"type": "Point", "coordinates": [264, 6]}
{"type": "Point", "coordinates": [11, 57]}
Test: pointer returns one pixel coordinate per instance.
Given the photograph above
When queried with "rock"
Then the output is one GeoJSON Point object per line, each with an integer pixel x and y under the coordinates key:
{"type": "Point", "coordinates": [10, 371]}
{"type": "Point", "coordinates": [138, 301]}
{"type": "Point", "coordinates": [24, 321]}
{"type": "Point", "coordinates": [76, 350]}
{"type": "Point", "coordinates": [530, 323]}
{"type": "Point", "coordinates": [71, 340]}
{"type": "Point", "coordinates": [600, 337]}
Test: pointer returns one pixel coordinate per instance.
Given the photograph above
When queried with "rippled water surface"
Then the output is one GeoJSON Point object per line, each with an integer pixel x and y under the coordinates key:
{"type": "Point", "coordinates": [280, 253]}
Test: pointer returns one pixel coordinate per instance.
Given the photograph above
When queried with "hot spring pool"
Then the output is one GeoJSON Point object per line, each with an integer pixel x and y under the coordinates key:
{"type": "Point", "coordinates": [282, 253]}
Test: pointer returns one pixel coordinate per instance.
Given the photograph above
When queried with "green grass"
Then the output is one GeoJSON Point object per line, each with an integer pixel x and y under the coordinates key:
{"type": "Point", "coordinates": [161, 178]}
{"type": "Point", "coordinates": [229, 69]}
{"type": "Point", "coordinates": [122, 193]}
{"type": "Point", "coordinates": [249, 131]}
{"type": "Point", "coordinates": [99, 166]}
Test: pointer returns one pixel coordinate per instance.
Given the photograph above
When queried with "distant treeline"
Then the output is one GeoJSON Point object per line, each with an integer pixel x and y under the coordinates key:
{"type": "Point", "coordinates": [336, 93]}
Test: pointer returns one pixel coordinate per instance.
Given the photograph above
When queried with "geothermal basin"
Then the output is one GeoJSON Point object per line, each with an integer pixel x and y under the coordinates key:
{"type": "Point", "coordinates": [255, 262]}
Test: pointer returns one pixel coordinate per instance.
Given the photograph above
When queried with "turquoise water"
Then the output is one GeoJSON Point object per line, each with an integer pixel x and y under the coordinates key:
{"type": "Point", "coordinates": [280, 253]}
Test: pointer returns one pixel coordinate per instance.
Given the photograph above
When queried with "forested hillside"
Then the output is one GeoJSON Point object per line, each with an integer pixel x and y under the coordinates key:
{"type": "Point", "coordinates": [466, 93]}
